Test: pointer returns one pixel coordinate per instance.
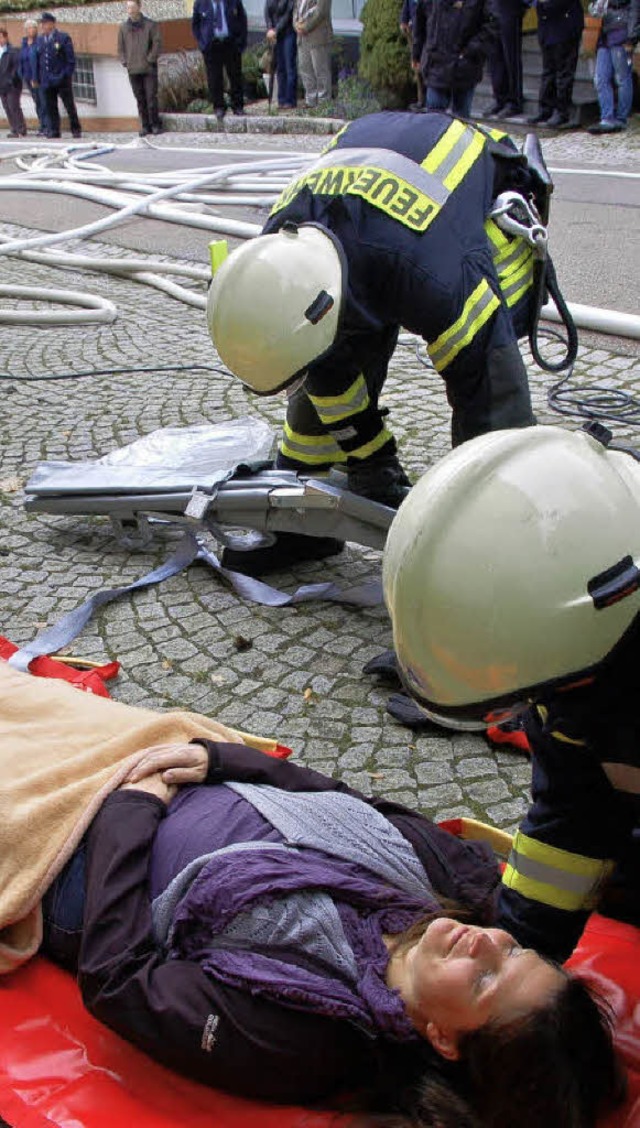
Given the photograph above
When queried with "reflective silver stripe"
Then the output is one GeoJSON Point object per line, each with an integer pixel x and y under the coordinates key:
{"type": "Point", "coordinates": [388, 161]}
{"type": "Point", "coordinates": [358, 402]}
{"type": "Point", "coordinates": [309, 450]}
{"type": "Point", "coordinates": [450, 161]}
{"type": "Point", "coordinates": [517, 252]}
{"type": "Point", "coordinates": [473, 312]}
{"type": "Point", "coordinates": [522, 282]}
{"type": "Point", "coordinates": [581, 885]}
{"type": "Point", "coordinates": [624, 777]}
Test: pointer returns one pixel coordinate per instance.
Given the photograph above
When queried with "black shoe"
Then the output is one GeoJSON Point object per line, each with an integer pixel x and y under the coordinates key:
{"type": "Point", "coordinates": [509, 111]}
{"type": "Point", "coordinates": [604, 127]}
{"type": "Point", "coordinates": [239, 113]}
{"type": "Point", "coordinates": [494, 110]}
{"type": "Point", "coordinates": [156, 129]}
{"type": "Point", "coordinates": [77, 136]}
{"type": "Point", "coordinates": [144, 132]}
{"type": "Point", "coordinates": [53, 136]}
{"type": "Point", "coordinates": [289, 548]}
{"type": "Point", "coordinates": [539, 119]}
{"type": "Point", "coordinates": [220, 114]}
{"type": "Point", "coordinates": [559, 121]}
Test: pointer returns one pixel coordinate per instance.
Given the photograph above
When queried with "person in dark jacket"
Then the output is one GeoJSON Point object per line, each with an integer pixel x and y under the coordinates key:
{"type": "Point", "coordinates": [30, 72]}
{"type": "Point", "coordinates": [276, 934]}
{"type": "Point", "coordinates": [389, 227]}
{"type": "Point", "coordinates": [278, 16]}
{"type": "Point", "coordinates": [139, 47]}
{"type": "Point", "coordinates": [560, 24]}
{"type": "Point", "coordinates": [505, 59]}
{"type": "Point", "coordinates": [451, 40]}
{"type": "Point", "coordinates": [11, 85]}
{"type": "Point", "coordinates": [57, 62]}
{"type": "Point", "coordinates": [542, 622]}
{"type": "Point", "coordinates": [613, 76]}
{"type": "Point", "coordinates": [220, 29]}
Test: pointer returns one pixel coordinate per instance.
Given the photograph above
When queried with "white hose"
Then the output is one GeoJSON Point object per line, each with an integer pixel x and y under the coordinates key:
{"type": "Point", "coordinates": [599, 320]}
{"type": "Point", "coordinates": [95, 308]}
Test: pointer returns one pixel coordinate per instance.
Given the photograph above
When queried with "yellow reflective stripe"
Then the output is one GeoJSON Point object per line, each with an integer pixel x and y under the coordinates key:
{"type": "Point", "coordinates": [517, 281]}
{"type": "Point", "coordinates": [331, 409]}
{"type": "Point", "coordinates": [495, 134]}
{"type": "Point", "coordinates": [478, 308]}
{"type": "Point", "coordinates": [454, 154]}
{"type": "Point", "coordinates": [512, 298]}
{"type": "Point", "coordinates": [564, 739]}
{"type": "Point", "coordinates": [467, 160]}
{"type": "Point", "coordinates": [511, 264]}
{"type": "Point", "coordinates": [334, 140]}
{"type": "Point", "coordinates": [396, 197]}
{"type": "Point", "coordinates": [311, 449]}
{"type": "Point", "coordinates": [553, 876]}
{"type": "Point", "coordinates": [496, 236]}
{"type": "Point", "coordinates": [443, 147]}
{"type": "Point", "coordinates": [371, 447]}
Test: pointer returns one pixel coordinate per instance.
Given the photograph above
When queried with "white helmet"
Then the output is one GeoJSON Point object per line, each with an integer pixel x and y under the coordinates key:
{"type": "Point", "coordinates": [274, 305]}
{"type": "Point", "coordinates": [512, 567]}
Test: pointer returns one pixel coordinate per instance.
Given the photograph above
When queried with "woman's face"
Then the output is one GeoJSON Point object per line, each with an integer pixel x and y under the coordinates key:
{"type": "Point", "coordinates": [458, 977]}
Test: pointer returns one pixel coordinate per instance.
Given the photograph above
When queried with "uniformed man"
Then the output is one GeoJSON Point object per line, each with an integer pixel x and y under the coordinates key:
{"type": "Point", "coordinates": [512, 580]}
{"type": "Point", "coordinates": [57, 64]}
{"type": "Point", "coordinates": [388, 228]}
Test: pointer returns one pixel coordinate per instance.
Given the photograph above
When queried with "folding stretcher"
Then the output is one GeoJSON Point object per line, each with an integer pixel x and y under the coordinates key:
{"type": "Point", "coordinates": [266, 501]}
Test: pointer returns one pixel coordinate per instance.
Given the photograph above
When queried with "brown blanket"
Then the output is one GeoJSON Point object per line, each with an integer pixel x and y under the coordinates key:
{"type": "Point", "coordinates": [61, 753]}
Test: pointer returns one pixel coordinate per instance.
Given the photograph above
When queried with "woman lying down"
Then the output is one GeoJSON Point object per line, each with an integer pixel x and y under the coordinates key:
{"type": "Point", "coordinates": [264, 929]}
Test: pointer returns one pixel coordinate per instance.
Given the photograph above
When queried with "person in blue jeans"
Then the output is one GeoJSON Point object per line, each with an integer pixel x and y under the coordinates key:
{"type": "Point", "coordinates": [451, 40]}
{"type": "Point", "coordinates": [613, 77]}
{"type": "Point", "coordinates": [278, 16]}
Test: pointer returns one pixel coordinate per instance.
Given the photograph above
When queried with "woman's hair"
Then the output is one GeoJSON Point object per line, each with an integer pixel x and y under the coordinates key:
{"type": "Point", "coordinates": [555, 1067]}
{"type": "Point", "coordinates": [30, 23]}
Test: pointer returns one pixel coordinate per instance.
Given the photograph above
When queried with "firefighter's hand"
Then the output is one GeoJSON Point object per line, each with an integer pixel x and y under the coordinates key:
{"type": "Point", "coordinates": [152, 785]}
{"type": "Point", "coordinates": [271, 35]}
{"type": "Point", "coordinates": [177, 764]}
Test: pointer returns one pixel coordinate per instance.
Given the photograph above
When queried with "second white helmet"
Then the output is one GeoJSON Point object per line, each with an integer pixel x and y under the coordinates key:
{"type": "Point", "coordinates": [512, 567]}
{"type": "Point", "coordinates": [274, 305]}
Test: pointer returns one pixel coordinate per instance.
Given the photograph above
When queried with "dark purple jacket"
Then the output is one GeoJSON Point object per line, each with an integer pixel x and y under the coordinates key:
{"type": "Point", "coordinates": [217, 1034]}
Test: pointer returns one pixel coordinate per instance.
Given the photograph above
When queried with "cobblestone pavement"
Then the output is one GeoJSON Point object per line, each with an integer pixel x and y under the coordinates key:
{"type": "Point", "coordinates": [300, 679]}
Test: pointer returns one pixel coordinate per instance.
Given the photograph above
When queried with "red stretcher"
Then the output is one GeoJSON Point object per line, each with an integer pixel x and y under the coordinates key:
{"type": "Point", "coordinates": [60, 1068]}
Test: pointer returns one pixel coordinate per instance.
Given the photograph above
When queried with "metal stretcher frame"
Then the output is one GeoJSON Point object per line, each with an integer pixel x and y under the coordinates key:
{"type": "Point", "coordinates": [266, 501]}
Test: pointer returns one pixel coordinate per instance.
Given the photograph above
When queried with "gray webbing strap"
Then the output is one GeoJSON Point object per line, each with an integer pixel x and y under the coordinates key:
{"type": "Point", "coordinates": [190, 548]}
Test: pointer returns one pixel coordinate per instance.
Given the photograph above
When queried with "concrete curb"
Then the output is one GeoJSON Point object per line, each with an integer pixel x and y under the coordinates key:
{"type": "Point", "coordinates": [251, 123]}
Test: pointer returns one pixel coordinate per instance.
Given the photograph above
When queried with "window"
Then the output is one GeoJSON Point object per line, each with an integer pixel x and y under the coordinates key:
{"type": "Point", "coordinates": [84, 83]}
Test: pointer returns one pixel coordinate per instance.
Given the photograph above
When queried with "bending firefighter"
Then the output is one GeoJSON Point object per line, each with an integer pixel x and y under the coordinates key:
{"type": "Point", "coordinates": [511, 576]}
{"type": "Point", "coordinates": [390, 227]}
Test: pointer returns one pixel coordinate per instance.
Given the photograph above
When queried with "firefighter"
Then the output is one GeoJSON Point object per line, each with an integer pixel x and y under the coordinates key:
{"type": "Point", "coordinates": [511, 577]}
{"type": "Point", "coordinates": [388, 228]}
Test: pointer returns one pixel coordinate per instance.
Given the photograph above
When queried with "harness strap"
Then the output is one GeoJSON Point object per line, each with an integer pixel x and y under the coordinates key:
{"type": "Point", "coordinates": [190, 549]}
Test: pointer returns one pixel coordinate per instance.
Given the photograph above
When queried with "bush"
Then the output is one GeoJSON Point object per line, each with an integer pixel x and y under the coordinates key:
{"type": "Point", "coordinates": [252, 79]}
{"type": "Point", "coordinates": [353, 98]}
{"type": "Point", "coordinates": [384, 59]}
{"type": "Point", "coordinates": [182, 82]}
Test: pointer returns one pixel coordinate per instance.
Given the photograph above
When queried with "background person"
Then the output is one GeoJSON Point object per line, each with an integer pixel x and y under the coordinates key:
{"type": "Point", "coordinates": [613, 78]}
{"type": "Point", "coordinates": [11, 86]}
{"type": "Point", "coordinates": [57, 62]}
{"type": "Point", "coordinates": [139, 47]}
{"type": "Point", "coordinates": [278, 16]}
{"type": "Point", "coordinates": [312, 23]}
{"type": "Point", "coordinates": [560, 24]}
{"type": "Point", "coordinates": [450, 45]}
{"type": "Point", "coordinates": [505, 60]}
{"type": "Point", "coordinates": [30, 74]}
{"type": "Point", "coordinates": [289, 972]}
{"type": "Point", "coordinates": [220, 29]}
